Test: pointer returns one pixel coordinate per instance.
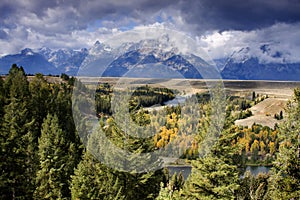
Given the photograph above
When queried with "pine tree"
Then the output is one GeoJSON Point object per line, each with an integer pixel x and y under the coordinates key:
{"type": "Point", "coordinates": [40, 100]}
{"type": "Point", "coordinates": [136, 176]}
{"type": "Point", "coordinates": [61, 106]}
{"type": "Point", "coordinates": [129, 153]}
{"type": "Point", "coordinates": [285, 176]}
{"type": "Point", "coordinates": [14, 143]}
{"type": "Point", "coordinates": [211, 178]}
{"type": "Point", "coordinates": [2, 98]}
{"type": "Point", "coordinates": [16, 84]}
{"type": "Point", "coordinates": [253, 187]}
{"type": "Point", "coordinates": [253, 96]}
{"type": "Point", "coordinates": [55, 162]}
{"type": "Point", "coordinates": [172, 189]}
{"type": "Point", "coordinates": [16, 164]}
{"type": "Point", "coordinates": [91, 181]}
{"type": "Point", "coordinates": [215, 174]}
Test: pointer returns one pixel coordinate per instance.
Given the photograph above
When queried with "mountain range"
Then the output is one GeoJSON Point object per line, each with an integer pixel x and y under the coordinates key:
{"type": "Point", "coordinates": [130, 59]}
{"type": "Point", "coordinates": [45, 61]}
{"type": "Point", "coordinates": [267, 64]}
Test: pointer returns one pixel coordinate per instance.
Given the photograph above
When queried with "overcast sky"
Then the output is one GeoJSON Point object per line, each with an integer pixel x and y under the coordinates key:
{"type": "Point", "coordinates": [221, 26]}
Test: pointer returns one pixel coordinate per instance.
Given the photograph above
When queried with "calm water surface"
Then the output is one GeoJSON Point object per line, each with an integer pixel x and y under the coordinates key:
{"type": "Point", "coordinates": [186, 170]}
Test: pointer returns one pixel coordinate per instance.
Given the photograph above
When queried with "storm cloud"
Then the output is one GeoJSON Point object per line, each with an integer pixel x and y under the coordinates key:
{"type": "Point", "coordinates": [240, 15]}
{"type": "Point", "coordinates": [75, 23]}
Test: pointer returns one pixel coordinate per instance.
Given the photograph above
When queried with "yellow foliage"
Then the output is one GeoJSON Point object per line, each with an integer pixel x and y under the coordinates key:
{"type": "Point", "coordinates": [272, 148]}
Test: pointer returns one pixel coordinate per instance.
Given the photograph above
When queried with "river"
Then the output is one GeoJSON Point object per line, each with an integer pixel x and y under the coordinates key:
{"type": "Point", "coordinates": [179, 99]}
{"type": "Point", "coordinates": [186, 170]}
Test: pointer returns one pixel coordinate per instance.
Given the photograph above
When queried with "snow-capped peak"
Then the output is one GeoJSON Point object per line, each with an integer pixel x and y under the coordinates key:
{"type": "Point", "coordinates": [97, 43]}
{"type": "Point", "coordinates": [264, 53]}
{"type": "Point", "coordinates": [98, 48]}
{"type": "Point", "coordinates": [27, 52]}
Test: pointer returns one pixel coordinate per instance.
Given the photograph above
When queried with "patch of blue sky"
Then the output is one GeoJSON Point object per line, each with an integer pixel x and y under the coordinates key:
{"type": "Point", "coordinates": [129, 26]}
{"type": "Point", "coordinates": [92, 27]}
{"type": "Point", "coordinates": [161, 19]}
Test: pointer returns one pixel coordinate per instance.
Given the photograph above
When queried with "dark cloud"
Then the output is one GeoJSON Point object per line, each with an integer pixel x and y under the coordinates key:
{"type": "Point", "coordinates": [55, 19]}
{"type": "Point", "coordinates": [204, 14]}
{"type": "Point", "coordinates": [240, 15]}
{"type": "Point", "coordinates": [6, 10]}
{"type": "Point", "coordinates": [3, 35]}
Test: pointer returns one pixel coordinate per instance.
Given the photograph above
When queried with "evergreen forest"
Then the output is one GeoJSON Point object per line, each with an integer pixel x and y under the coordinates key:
{"type": "Point", "coordinates": [46, 155]}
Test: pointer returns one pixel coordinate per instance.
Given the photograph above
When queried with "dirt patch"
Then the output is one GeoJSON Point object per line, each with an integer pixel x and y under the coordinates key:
{"type": "Point", "coordinates": [258, 119]}
{"type": "Point", "coordinates": [263, 112]}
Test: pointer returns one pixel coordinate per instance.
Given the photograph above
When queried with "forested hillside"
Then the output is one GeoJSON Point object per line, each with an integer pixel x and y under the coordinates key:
{"type": "Point", "coordinates": [43, 156]}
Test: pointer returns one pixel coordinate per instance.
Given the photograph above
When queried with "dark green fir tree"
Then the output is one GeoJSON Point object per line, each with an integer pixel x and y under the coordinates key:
{"type": "Point", "coordinates": [122, 145]}
{"type": "Point", "coordinates": [285, 176]}
{"type": "Point", "coordinates": [16, 158]}
{"type": "Point", "coordinates": [2, 97]}
{"type": "Point", "coordinates": [40, 101]}
{"type": "Point", "coordinates": [56, 162]}
{"type": "Point", "coordinates": [14, 140]}
{"type": "Point", "coordinates": [92, 180]}
{"type": "Point", "coordinates": [215, 174]}
{"type": "Point", "coordinates": [137, 179]}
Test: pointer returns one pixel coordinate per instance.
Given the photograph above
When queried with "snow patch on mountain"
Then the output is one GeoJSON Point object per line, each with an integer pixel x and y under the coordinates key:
{"type": "Point", "coordinates": [266, 53]}
{"type": "Point", "coordinates": [261, 62]}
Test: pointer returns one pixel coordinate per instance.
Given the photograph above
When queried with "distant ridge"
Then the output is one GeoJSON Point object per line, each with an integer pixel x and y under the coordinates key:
{"type": "Point", "coordinates": [267, 64]}
{"type": "Point", "coordinates": [263, 63]}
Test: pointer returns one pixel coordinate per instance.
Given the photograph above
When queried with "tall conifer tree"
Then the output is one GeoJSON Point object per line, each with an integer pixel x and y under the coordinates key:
{"type": "Point", "coordinates": [285, 176]}
{"type": "Point", "coordinates": [215, 174]}
{"type": "Point", "coordinates": [15, 159]}
{"type": "Point", "coordinates": [40, 100]}
{"type": "Point", "coordinates": [92, 180]}
{"type": "Point", "coordinates": [2, 98]}
{"type": "Point", "coordinates": [133, 183]}
{"type": "Point", "coordinates": [54, 154]}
